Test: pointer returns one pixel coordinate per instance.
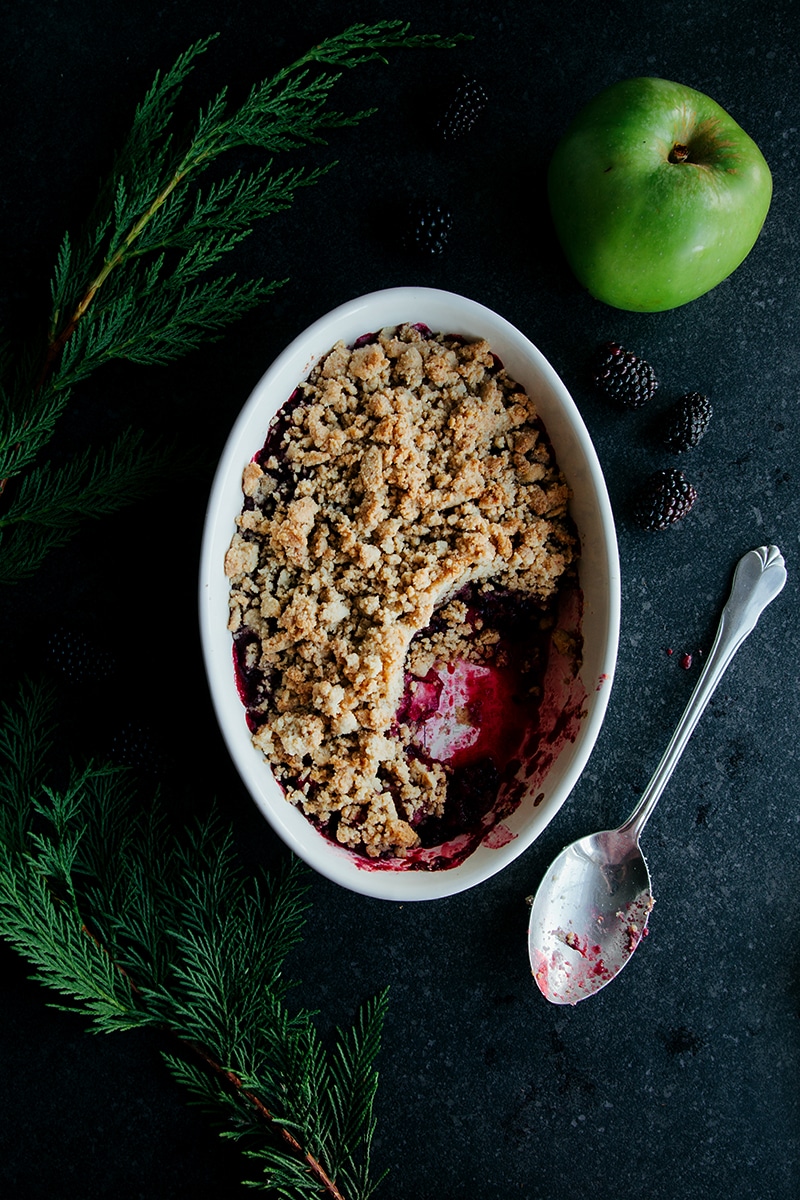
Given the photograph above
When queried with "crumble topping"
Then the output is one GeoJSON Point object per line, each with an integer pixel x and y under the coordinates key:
{"type": "Point", "coordinates": [403, 470]}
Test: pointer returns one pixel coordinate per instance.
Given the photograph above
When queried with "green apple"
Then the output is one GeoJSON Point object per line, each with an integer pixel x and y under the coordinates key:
{"type": "Point", "coordinates": [657, 194]}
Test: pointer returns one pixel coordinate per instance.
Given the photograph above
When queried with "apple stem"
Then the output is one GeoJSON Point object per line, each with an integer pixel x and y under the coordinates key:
{"type": "Point", "coordinates": [679, 153]}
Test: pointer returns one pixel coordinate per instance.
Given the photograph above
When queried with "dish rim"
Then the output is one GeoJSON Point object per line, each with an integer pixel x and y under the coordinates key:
{"type": "Point", "coordinates": [448, 312]}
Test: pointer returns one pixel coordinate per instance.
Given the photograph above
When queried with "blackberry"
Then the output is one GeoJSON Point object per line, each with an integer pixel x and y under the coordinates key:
{"type": "Point", "coordinates": [686, 422]}
{"type": "Point", "coordinates": [77, 657]}
{"type": "Point", "coordinates": [135, 746]}
{"type": "Point", "coordinates": [430, 226]}
{"type": "Point", "coordinates": [462, 111]}
{"type": "Point", "coordinates": [663, 499]}
{"type": "Point", "coordinates": [623, 377]}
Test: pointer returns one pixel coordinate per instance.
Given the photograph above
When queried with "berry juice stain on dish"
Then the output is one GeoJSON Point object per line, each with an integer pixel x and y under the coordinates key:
{"type": "Point", "coordinates": [404, 603]}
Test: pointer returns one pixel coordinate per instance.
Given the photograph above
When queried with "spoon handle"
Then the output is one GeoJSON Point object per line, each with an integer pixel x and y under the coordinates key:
{"type": "Point", "coordinates": [757, 580]}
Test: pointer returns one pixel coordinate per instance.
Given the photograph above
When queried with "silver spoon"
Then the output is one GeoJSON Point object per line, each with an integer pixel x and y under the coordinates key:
{"type": "Point", "coordinates": [591, 909]}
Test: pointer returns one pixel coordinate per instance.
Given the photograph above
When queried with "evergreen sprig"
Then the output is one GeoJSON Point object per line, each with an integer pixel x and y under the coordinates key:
{"type": "Point", "coordinates": [135, 926]}
{"type": "Point", "coordinates": [51, 502]}
{"type": "Point", "coordinates": [135, 283]}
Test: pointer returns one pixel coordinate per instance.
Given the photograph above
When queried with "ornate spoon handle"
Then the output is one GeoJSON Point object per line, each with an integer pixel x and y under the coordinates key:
{"type": "Point", "coordinates": [757, 580]}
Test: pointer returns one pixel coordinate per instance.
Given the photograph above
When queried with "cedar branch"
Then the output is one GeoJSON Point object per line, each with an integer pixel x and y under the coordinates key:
{"type": "Point", "coordinates": [318, 1171]}
{"type": "Point", "coordinates": [327, 1184]}
{"type": "Point", "coordinates": [58, 342]}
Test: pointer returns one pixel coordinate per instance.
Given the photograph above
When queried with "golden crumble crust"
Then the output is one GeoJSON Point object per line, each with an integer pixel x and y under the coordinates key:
{"type": "Point", "coordinates": [406, 468]}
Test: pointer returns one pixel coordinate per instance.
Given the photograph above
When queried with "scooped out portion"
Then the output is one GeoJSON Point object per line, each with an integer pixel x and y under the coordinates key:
{"type": "Point", "coordinates": [402, 547]}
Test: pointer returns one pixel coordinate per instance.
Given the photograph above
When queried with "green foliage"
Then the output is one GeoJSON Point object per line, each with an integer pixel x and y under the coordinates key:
{"type": "Point", "coordinates": [139, 283]}
{"type": "Point", "coordinates": [131, 923]}
{"type": "Point", "coordinates": [135, 925]}
{"type": "Point", "coordinates": [51, 502]}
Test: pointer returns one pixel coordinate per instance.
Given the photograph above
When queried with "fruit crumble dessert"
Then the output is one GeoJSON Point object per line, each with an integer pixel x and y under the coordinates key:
{"type": "Point", "coordinates": [393, 576]}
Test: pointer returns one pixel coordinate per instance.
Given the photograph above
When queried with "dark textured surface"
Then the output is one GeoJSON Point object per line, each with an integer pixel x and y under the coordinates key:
{"type": "Point", "coordinates": [681, 1079]}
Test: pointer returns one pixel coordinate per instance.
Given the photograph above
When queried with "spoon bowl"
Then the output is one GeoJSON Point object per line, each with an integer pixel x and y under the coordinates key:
{"type": "Point", "coordinates": [589, 915]}
{"type": "Point", "coordinates": [591, 909]}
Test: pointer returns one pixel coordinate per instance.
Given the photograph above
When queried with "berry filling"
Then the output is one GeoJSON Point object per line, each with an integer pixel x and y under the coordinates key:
{"type": "Point", "coordinates": [496, 728]}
